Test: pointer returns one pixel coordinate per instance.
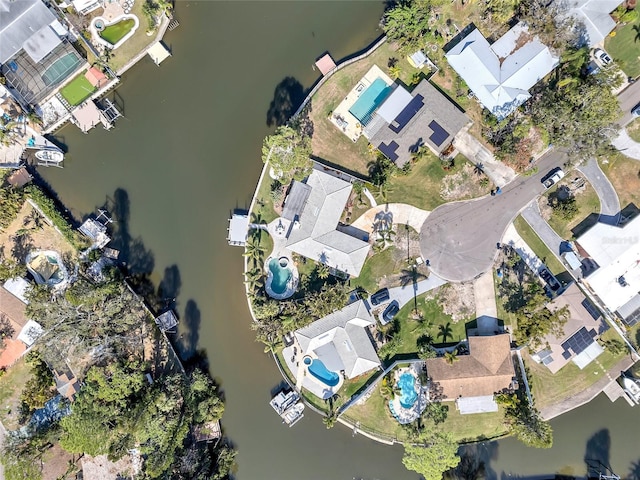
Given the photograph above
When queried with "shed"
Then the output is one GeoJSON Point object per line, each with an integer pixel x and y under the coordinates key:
{"type": "Point", "coordinates": [19, 178]}
{"type": "Point", "coordinates": [325, 64]}
{"type": "Point", "coordinates": [418, 59]}
{"type": "Point", "coordinates": [96, 77]}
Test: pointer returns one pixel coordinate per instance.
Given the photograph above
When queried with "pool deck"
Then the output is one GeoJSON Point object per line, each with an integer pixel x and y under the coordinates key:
{"type": "Point", "coordinates": [408, 415]}
{"type": "Point", "coordinates": [297, 367]}
{"type": "Point", "coordinates": [342, 118]}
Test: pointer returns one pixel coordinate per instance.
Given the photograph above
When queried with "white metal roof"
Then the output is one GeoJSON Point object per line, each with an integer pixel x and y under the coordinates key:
{"type": "Point", "coordinates": [394, 104]}
{"type": "Point", "coordinates": [19, 21]}
{"type": "Point", "coordinates": [18, 287]}
{"type": "Point", "coordinates": [588, 355]}
{"type": "Point", "coordinates": [501, 74]}
{"type": "Point", "coordinates": [594, 14]}
{"type": "Point", "coordinates": [30, 332]}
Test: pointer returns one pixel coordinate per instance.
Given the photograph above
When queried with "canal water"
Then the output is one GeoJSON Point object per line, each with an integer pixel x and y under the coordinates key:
{"type": "Point", "coordinates": [186, 152]}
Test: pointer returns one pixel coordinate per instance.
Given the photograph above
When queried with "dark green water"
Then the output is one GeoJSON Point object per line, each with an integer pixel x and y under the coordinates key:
{"type": "Point", "coordinates": [188, 151]}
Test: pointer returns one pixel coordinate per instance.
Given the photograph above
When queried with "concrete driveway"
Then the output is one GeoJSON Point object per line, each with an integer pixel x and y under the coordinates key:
{"type": "Point", "coordinates": [391, 214]}
{"type": "Point", "coordinates": [628, 98]}
{"type": "Point", "coordinates": [459, 239]}
{"type": "Point", "coordinates": [404, 295]}
{"type": "Point", "coordinates": [609, 202]}
{"type": "Point", "coordinates": [547, 234]}
{"type": "Point", "coordinates": [626, 145]}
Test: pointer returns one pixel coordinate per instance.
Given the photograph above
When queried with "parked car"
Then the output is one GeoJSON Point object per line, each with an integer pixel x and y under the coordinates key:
{"type": "Point", "coordinates": [380, 296]}
{"type": "Point", "coordinates": [553, 177]}
{"type": "Point", "coordinates": [391, 311]}
{"type": "Point", "coordinates": [601, 57]}
{"type": "Point", "coordinates": [635, 111]}
{"type": "Point", "coordinates": [550, 280]}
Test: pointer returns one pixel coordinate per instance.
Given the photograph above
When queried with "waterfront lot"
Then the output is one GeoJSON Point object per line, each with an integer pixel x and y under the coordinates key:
{"type": "Point", "coordinates": [549, 389]}
{"type": "Point", "coordinates": [374, 416]}
{"type": "Point", "coordinates": [624, 47]}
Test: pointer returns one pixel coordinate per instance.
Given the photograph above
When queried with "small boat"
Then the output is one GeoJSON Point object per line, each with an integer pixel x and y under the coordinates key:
{"type": "Point", "coordinates": [50, 155]}
{"type": "Point", "coordinates": [632, 388]}
{"type": "Point", "coordinates": [287, 404]}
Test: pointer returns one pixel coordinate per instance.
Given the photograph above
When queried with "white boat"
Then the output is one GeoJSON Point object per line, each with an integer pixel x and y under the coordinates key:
{"type": "Point", "coordinates": [632, 388]}
{"type": "Point", "coordinates": [50, 155]}
{"type": "Point", "coordinates": [293, 414]}
{"type": "Point", "coordinates": [287, 404]}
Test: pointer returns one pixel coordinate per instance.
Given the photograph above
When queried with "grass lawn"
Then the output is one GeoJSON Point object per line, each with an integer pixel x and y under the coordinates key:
{"type": "Point", "coordinates": [538, 246]}
{"type": "Point", "coordinates": [624, 47]}
{"type": "Point", "coordinates": [433, 316]}
{"type": "Point", "coordinates": [77, 90]}
{"type": "Point", "coordinates": [588, 205]}
{"type": "Point", "coordinates": [421, 187]}
{"type": "Point", "coordinates": [624, 174]}
{"type": "Point", "coordinates": [114, 33]}
{"type": "Point", "coordinates": [378, 266]}
{"type": "Point", "coordinates": [375, 417]}
{"type": "Point", "coordinates": [633, 129]}
{"type": "Point", "coordinates": [549, 389]}
{"type": "Point", "coordinates": [263, 208]}
{"type": "Point", "coordinates": [11, 384]}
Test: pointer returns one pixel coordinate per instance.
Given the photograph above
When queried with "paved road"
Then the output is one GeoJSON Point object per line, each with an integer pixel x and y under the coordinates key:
{"type": "Point", "coordinates": [609, 203]}
{"type": "Point", "coordinates": [459, 239]}
{"type": "Point", "coordinates": [628, 99]}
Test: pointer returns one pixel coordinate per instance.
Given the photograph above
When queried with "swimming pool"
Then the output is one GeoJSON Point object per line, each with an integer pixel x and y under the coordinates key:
{"type": "Point", "coordinates": [281, 275]}
{"type": "Point", "coordinates": [408, 394]}
{"type": "Point", "coordinates": [370, 99]}
{"type": "Point", "coordinates": [318, 370]}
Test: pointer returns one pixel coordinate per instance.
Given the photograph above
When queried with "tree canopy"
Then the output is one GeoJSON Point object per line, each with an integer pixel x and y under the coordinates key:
{"type": "Point", "coordinates": [435, 453]}
{"type": "Point", "coordinates": [288, 152]}
{"type": "Point", "coordinates": [535, 320]}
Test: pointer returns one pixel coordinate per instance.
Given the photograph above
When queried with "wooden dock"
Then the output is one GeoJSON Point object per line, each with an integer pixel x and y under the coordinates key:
{"type": "Point", "coordinates": [614, 391]}
{"type": "Point", "coordinates": [173, 24]}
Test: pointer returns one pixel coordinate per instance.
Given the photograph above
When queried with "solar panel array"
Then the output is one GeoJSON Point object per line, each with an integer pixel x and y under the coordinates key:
{"type": "Point", "coordinates": [389, 150]}
{"type": "Point", "coordinates": [577, 343]}
{"type": "Point", "coordinates": [589, 307]}
{"type": "Point", "coordinates": [407, 113]}
{"type": "Point", "coordinates": [632, 319]}
{"type": "Point", "coordinates": [545, 357]}
{"type": "Point", "coordinates": [439, 134]}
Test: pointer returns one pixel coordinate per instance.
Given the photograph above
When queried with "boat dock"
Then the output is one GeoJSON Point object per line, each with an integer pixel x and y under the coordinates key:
{"type": "Point", "coordinates": [287, 404]}
{"type": "Point", "coordinates": [238, 229]}
{"type": "Point", "coordinates": [614, 391]}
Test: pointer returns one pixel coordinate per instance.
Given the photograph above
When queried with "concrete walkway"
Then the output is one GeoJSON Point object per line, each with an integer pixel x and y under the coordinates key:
{"type": "Point", "coordinates": [485, 295]}
{"type": "Point", "coordinates": [499, 173]}
{"type": "Point", "coordinates": [392, 213]}
{"type": "Point", "coordinates": [370, 197]}
{"type": "Point", "coordinates": [547, 234]}
{"type": "Point", "coordinates": [609, 202]}
{"type": "Point", "coordinates": [512, 238]}
{"type": "Point", "coordinates": [404, 295]}
{"type": "Point", "coordinates": [626, 145]}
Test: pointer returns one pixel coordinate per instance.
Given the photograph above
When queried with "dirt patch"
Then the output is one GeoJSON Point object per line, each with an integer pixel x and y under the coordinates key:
{"type": "Point", "coordinates": [100, 468]}
{"type": "Point", "coordinates": [465, 184]}
{"type": "Point", "coordinates": [576, 186]}
{"type": "Point", "coordinates": [57, 463]}
{"type": "Point", "coordinates": [30, 231]}
{"type": "Point", "coordinates": [455, 299]}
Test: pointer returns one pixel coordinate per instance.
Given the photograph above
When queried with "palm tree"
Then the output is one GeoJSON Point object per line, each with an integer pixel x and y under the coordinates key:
{"type": "Point", "coordinates": [254, 252]}
{"type": "Point", "coordinates": [394, 72]}
{"type": "Point", "coordinates": [636, 28]}
{"type": "Point", "coordinates": [254, 278]}
{"type": "Point", "coordinates": [445, 331]}
{"type": "Point", "coordinates": [478, 169]}
{"type": "Point", "coordinates": [270, 345]}
{"type": "Point", "coordinates": [413, 276]}
{"type": "Point", "coordinates": [323, 271]}
{"type": "Point", "coordinates": [330, 419]}
{"type": "Point", "coordinates": [451, 357]}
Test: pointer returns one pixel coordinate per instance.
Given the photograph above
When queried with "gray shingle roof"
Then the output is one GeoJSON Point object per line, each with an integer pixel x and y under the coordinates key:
{"type": "Point", "coordinates": [341, 341]}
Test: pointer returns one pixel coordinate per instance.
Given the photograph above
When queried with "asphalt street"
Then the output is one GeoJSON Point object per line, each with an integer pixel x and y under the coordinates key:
{"type": "Point", "coordinates": [459, 239]}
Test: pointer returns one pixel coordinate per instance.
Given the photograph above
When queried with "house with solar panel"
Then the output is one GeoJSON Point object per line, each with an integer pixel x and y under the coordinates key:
{"type": "Point", "coordinates": [500, 74]}
{"type": "Point", "coordinates": [36, 56]}
{"type": "Point", "coordinates": [577, 344]}
{"type": "Point", "coordinates": [613, 255]}
{"type": "Point", "coordinates": [398, 122]}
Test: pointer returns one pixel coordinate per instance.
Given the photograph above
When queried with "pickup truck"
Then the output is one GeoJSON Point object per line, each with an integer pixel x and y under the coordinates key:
{"type": "Point", "coordinates": [553, 177]}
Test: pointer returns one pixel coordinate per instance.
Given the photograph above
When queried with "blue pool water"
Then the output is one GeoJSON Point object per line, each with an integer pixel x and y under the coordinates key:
{"type": "Point", "coordinates": [408, 394]}
{"type": "Point", "coordinates": [318, 370]}
{"type": "Point", "coordinates": [370, 99]}
{"type": "Point", "coordinates": [281, 276]}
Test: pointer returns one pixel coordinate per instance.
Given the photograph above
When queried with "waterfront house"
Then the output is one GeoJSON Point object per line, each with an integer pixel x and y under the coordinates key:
{"type": "Point", "coordinates": [406, 121]}
{"type": "Point", "coordinates": [501, 74]}
{"type": "Point", "coordinates": [613, 275]}
{"type": "Point", "coordinates": [473, 380]}
{"type": "Point", "coordinates": [311, 218]}
{"type": "Point", "coordinates": [333, 348]}
{"type": "Point", "coordinates": [577, 343]}
{"type": "Point", "coordinates": [35, 55]}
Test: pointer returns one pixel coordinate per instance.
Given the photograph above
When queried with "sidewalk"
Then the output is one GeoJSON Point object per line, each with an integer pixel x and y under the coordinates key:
{"type": "Point", "coordinates": [513, 239]}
